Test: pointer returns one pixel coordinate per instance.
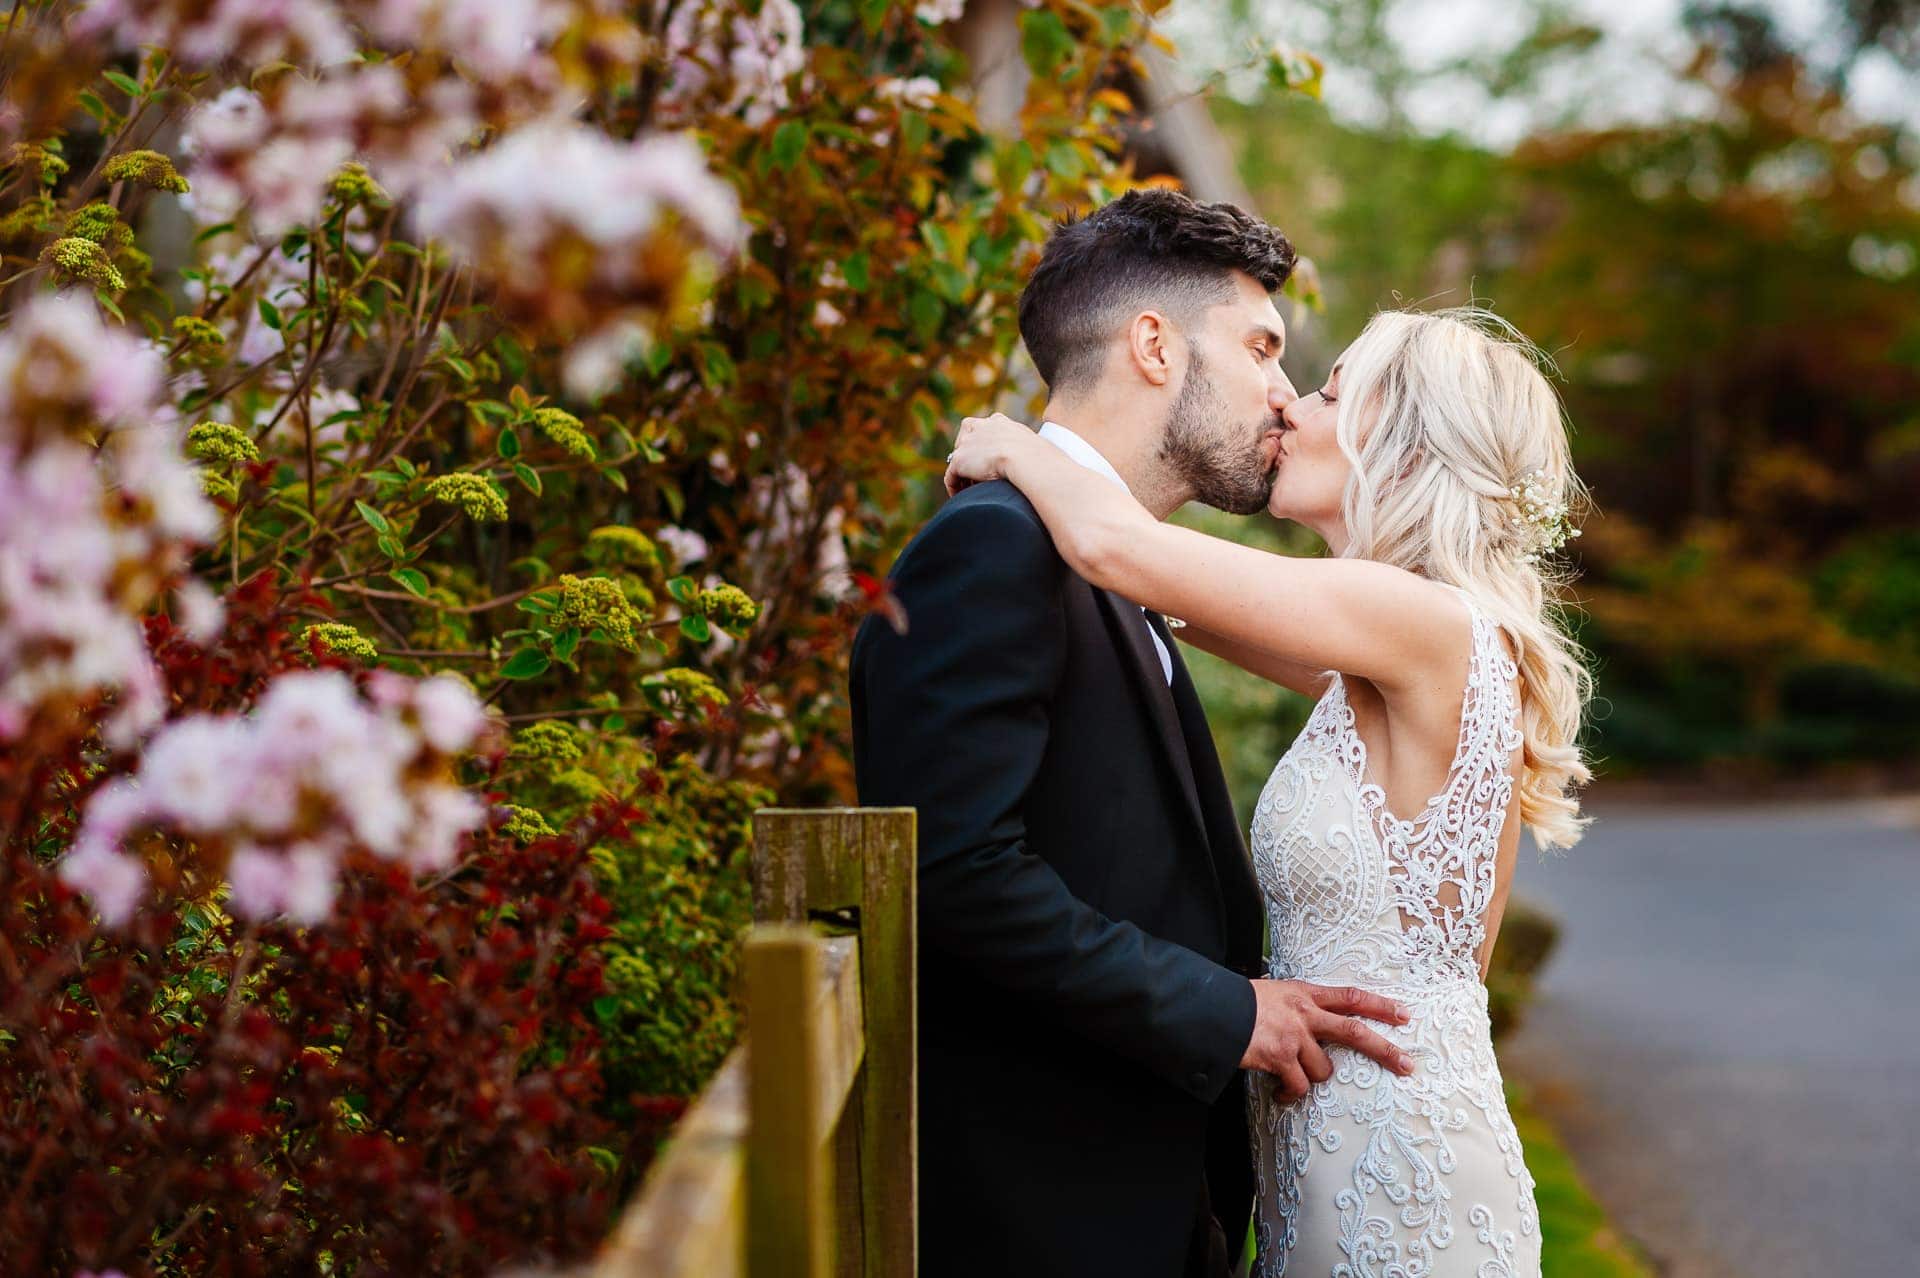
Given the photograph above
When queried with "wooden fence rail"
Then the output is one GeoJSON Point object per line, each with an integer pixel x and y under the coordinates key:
{"type": "Point", "coordinates": [798, 1161]}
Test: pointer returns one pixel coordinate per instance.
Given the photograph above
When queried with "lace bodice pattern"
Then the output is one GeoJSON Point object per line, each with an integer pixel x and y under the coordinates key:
{"type": "Point", "coordinates": [1371, 1169]}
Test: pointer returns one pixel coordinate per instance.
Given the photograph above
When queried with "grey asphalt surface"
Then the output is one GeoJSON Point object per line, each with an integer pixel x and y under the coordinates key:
{"type": "Point", "coordinates": [1728, 1035]}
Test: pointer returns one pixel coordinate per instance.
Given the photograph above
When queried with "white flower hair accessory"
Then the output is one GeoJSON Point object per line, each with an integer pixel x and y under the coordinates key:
{"type": "Point", "coordinates": [1544, 525]}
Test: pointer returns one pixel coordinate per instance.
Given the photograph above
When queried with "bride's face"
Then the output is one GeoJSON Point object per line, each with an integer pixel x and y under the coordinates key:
{"type": "Point", "coordinates": [1313, 471]}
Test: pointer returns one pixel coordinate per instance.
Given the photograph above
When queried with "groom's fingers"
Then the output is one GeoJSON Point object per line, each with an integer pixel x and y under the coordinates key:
{"type": "Point", "coordinates": [1347, 1000]}
{"type": "Point", "coordinates": [1316, 1063]}
{"type": "Point", "coordinates": [1293, 1082]}
{"type": "Point", "coordinates": [1352, 1032]}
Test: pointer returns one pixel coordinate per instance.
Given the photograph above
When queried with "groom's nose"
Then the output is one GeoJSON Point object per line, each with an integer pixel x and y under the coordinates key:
{"type": "Point", "coordinates": [1280, 392]}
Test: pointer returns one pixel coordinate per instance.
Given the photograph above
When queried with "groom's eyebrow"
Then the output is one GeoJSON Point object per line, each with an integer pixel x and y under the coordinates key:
{"type": "Point", "coordinates": [1271, 337]}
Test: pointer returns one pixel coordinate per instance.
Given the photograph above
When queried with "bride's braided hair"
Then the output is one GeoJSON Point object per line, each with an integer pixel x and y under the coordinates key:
{"type": "Point", "coordinates": [1464, 475]}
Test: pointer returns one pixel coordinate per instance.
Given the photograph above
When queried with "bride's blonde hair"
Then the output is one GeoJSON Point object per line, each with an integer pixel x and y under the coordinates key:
{"type": "Point", "coordinates": [1465, 418]}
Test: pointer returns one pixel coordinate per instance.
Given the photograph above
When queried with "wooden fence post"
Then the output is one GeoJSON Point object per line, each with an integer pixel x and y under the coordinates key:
{"type": "Point", "coordinates": [855, 867]}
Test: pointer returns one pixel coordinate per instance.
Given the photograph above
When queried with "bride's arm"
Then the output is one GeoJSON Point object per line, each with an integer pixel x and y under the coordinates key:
{"type": "Point", "coordinates": [1288, 674]}
{"type": "Point", "coordinates": [1363, 618]}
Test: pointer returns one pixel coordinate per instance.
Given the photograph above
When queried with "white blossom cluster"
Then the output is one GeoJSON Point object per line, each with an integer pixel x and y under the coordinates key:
{"type": "Point", "coordinates": [522, 208]}
{"type": "Point", "coordinates": [289, 790]}
{"type": "Point", "coordinates": [1542, 523]}
{"type": "Point", "coordinates": [752, 57]}
{"type": "Point", "coordinates": [98, 507]}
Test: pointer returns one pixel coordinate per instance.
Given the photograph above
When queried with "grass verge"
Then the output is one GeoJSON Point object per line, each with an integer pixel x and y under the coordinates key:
{"type": "Point", "coordinates": [1576, 1238]}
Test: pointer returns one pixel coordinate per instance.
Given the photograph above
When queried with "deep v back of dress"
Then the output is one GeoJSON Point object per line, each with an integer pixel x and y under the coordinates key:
{"type": "Point", "coordinates": [1372, 1173]}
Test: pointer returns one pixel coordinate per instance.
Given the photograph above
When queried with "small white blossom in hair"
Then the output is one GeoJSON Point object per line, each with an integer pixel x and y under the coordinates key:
{"type": "Point", "coordinates": [1544, 523]}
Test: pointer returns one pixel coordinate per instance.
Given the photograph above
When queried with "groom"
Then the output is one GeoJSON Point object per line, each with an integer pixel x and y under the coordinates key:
{"type": "Point", "coordinates": [1090, 927]}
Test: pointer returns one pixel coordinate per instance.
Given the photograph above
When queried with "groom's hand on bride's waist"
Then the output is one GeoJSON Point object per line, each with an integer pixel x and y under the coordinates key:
{"type": "Point", "coordinates": [1292, 1019]}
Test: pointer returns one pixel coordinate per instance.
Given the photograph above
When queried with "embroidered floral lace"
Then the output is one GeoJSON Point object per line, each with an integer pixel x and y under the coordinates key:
{"type": "Point", "coordinates": [1373, 1175]}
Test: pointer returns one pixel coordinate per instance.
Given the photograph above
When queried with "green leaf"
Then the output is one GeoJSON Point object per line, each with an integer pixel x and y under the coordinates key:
{"type": "Point", "coordinates": [914, 130]}
{"type": "Point", "coordinates": [855, 271]}
{"type": "Point", "coordinates": [405, 467]}
{"type": "Point", "coordinates": [716, 366]}
{"type": "Point", "coordinates": [509, 443]}
{"type": "Point", "coordinates": [696, 629]}
{"type": "Point", "coordinates": [513, 357]}
{"type": "Point", "coordinates": [789, 144]}
{"type": "Point", "coordinates": [373, 517]}
{"type": "Point", "coordinates": [1045, 41]}
{"type": "Point", "coordinates": [682, 589]}
{"type": "Point", "coordinates": [391, 548]}
{"type": "Point", "coordinates": [270, 315]}
{"type": "Point", "coordinates": [527, 476]}
{"type": "Point", "coordinates": [613, 723]}
{"type": "Point", "coordinates": [220, 228]}
{"type": "Point", "coordinates": [926, 311]}
{"type": "Point", "coordinates": [93, 105]}
{"type": "Point", "coordinates": [541, 605]}
{"type": "Point", "coordinates": [565, 642]}
{"type": "Point", "coordinates": [1065, 161]}
{"type": "Point", "coordinates": [528, 663]}
{"type": "Point", "coordinates": [655, 357]}
{"type": "Point", "coordinates": [617, 477]}
{"type": "Point", "coordinates": [951, 281]}
{"type": "Point", "coordinates": [412, 579]}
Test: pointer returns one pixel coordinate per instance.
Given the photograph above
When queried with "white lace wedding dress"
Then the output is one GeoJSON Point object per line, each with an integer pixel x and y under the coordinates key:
{"type": "Point", "coordinates": [1373, 1175]}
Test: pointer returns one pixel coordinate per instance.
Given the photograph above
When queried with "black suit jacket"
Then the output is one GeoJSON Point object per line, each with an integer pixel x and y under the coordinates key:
{"type": "Point", "coordinates": [1089, 918]}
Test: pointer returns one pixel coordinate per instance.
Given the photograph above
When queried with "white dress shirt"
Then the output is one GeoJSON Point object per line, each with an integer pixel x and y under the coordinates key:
{"type": "Point", "coordinates": [1089, 456]}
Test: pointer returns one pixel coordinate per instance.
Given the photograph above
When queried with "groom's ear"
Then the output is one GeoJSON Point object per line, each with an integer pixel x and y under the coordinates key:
{"type": "Point", "coordinates": [1150, 343]}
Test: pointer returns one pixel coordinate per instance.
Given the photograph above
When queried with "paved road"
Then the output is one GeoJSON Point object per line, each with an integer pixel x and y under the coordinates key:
{"type": "Point", "coordinates": [1729, 1033]}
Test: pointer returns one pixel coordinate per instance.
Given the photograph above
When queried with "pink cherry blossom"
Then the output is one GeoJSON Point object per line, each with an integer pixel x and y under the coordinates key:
{"type": "Point", "coordinates": [315, 772]}
{"type": "Point", "coordinates": [82, 426]}
{"type": "Point", "coordinates": [711, 42]}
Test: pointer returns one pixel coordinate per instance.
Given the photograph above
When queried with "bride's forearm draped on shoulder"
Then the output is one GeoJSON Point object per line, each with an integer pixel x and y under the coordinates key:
{"type": "Point", "coordinates": [1363, 618]}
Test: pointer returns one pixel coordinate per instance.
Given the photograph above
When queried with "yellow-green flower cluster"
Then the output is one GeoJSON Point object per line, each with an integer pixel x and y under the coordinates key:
{"type": "Point", "coordinates": [219, 486]}
{"type": "Point", "coordinates": [220, 441]}
{"type": "Point", "coordinates": [476, 497]}
{"type": "Point", "coordinates": [75, 258]}
{"type": "Point", "coordinates": [728, 607]}
{"type": "Point", "coordinates": [548, 741]}
{"type": "Point", "coordinates": [526, 824]}
{"type": "Point", "coordinates": [689, 686]}
{"type": "Point", "coordinates": [564, 429]}
{"type": "Point", "coordinates": [203, 338]}
{"type": "Point", "coordinates": [577, 784]}
{"type": "Point", "coordinates": [619, 544]}
{"type": "Point", "coordinates": [51, 165]}
{"type": "Point", "coordinates": [606, 863]}
{"type": "Point", "coordinates": [149, 167]}
{"type": "Point", "coordinates": [631, 974]}
{"type": "Point", "coordinates": [339, 637]}
{"type": "Point", "coordinates": [99, 222]}
{"type": "Point", "coordinates": [598, 601]}
{"type": "Point", "coordinates": [352, 184]}
{"type": "Point", "coordinates": [30, 218]}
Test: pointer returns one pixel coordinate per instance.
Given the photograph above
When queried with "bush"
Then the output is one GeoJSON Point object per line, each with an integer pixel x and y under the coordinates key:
{"type": "Point", "coordinates": [542, 392]}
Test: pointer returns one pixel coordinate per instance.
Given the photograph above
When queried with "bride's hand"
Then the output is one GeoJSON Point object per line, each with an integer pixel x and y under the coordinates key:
{"type": "Point", "coordinates": [983, 449]}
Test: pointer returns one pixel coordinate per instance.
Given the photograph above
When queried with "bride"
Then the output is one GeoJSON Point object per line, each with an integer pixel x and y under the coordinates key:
{"type": "Point", "coordinates": [1434, 463]}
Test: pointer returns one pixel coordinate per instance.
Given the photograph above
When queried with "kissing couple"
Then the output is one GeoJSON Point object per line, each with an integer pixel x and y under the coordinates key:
{"type": "Point", "coordinates": [1136, 1036]}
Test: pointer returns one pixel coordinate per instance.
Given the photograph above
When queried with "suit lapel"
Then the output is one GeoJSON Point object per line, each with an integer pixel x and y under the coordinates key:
{"type": "Point", "coordinates": [1130, 625]}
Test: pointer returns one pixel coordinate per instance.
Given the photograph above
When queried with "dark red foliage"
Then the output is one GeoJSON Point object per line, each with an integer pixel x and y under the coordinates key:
{"type": "Point", "coordinates": [409, 1089]}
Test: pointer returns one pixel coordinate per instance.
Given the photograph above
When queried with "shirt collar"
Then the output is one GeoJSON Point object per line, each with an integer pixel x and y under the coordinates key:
{"type": "Point", "coordinates": [1080, 450]}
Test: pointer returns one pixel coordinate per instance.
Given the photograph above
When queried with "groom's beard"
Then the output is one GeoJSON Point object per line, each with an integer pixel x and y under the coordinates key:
{"type": "Point", "coordinates": [1226, 469]}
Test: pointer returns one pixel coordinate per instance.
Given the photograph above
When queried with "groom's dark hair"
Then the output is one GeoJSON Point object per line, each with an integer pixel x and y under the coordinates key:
{"type": "Point", "coordinates": [1150, 248]}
